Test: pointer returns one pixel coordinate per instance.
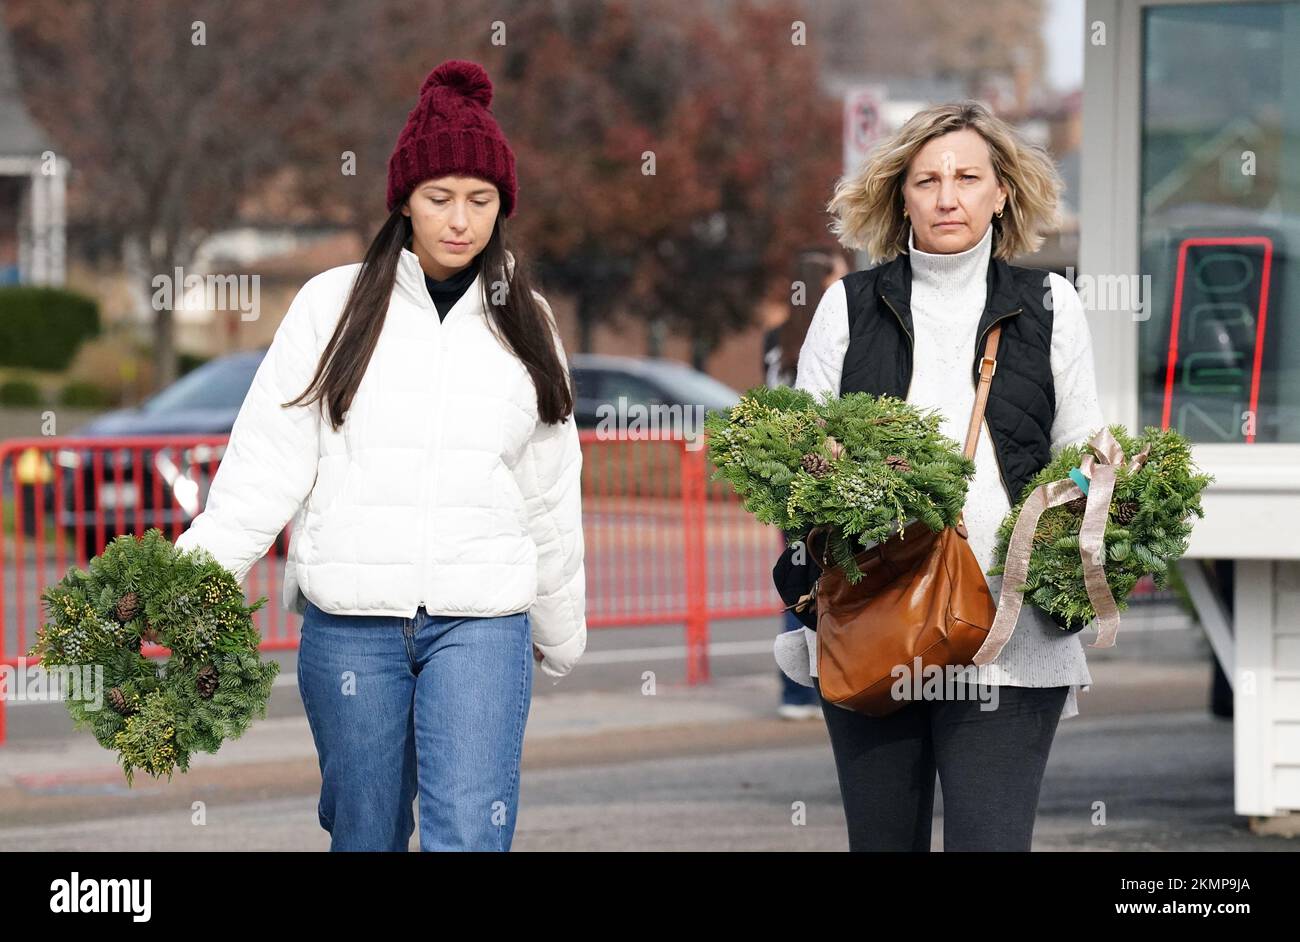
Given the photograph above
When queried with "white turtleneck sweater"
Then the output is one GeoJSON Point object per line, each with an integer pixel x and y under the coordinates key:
{"type": "Point", "coordinates": [948, 298]}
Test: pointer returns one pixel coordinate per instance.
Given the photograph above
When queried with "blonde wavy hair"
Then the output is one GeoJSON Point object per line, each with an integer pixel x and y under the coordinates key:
{"type": "Point", "coordinates": [868, 204]}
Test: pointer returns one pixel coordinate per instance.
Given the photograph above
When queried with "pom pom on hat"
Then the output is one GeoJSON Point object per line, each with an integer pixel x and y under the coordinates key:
{"type": "Point", "coordinates": [464, 77]}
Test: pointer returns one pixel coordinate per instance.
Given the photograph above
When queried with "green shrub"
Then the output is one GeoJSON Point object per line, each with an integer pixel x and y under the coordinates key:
{"type": "Point", "coordinates": [41, 328]}
{"type": "Point", "coordinates": [84, 395]}
{"type": "Point", "coordinates": [19, 392]}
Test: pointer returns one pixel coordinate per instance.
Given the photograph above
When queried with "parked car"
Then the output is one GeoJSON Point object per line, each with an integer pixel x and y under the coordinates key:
{"type": "Point", "coordinates": [204, 401]}
{"type": "Point", "coordinates": [600, 379]}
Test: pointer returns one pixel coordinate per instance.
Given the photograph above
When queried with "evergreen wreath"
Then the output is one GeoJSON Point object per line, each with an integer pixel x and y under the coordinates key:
{"type": "Point", "coordinates": [1147, 527]}
{"type": "Point", "coordinates": [156, 714]}
{"type": "Point", "coordinates": [862, 465]}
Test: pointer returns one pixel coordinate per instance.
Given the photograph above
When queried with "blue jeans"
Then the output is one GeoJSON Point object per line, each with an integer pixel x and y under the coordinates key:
{"type": "Point", "coordinates": [433, 705]}
{"type": "Point", "coordinates": [792, 693]}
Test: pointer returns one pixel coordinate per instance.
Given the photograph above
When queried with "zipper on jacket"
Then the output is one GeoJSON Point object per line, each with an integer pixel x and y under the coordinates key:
{"type": "Point", "coordinates": [432, 431]}
{"type": "Point", "coordinates": [436, 459]}
{"type": "Point", "coordinates": [911, 345]}
{"type": "Point", "coordinates": [979, 345]}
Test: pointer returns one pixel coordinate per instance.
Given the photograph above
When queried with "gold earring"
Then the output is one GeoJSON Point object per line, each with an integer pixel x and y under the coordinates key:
{"type": "Point", "coordinates": [998, 214]}
{"type": "Point", "coordinates": [904, 212]}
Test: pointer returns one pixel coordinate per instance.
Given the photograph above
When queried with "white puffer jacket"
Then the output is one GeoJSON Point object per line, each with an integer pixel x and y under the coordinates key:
{"type": "Point", "coordinates": [442, 488]}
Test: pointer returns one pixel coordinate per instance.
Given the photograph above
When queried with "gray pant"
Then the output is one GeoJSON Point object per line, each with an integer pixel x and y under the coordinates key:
{"type": "Point", "coordinates": [990, 764]}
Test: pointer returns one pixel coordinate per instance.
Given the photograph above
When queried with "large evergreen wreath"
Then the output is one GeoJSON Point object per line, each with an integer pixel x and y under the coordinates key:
{"type": "Point", "coordinates": [157, 713]}
{"type": "Point", "coordinates": [1148, 522]}
{"type": "Point", "coordinates": [862, 465]}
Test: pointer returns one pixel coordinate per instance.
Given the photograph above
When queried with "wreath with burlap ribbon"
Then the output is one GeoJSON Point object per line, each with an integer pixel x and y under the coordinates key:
{"type": "Point", "coordinates": [1093, 480]}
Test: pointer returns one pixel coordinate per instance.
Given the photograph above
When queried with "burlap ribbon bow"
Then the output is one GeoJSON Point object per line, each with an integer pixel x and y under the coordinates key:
{"type": "Point", "coordinates": [1100, 469]}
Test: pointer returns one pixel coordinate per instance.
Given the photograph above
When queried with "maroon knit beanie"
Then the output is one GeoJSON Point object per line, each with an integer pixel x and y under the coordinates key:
{"type": "Point", "coordinates": [451, 131]}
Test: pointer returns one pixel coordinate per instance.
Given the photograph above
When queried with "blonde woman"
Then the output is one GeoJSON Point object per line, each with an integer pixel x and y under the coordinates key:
{"type": "Point", "coordinates": [945, 204]}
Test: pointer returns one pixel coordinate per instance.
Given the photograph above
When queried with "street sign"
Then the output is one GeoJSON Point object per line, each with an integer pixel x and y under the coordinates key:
{"type": "Point", "coordinates": [864, 122]}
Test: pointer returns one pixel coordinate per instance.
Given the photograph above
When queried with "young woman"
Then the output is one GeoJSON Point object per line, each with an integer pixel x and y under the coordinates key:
{"type": "Point", "coordinates": [945, 202]}
{"type": "Point", "coordinates": [413, 412]}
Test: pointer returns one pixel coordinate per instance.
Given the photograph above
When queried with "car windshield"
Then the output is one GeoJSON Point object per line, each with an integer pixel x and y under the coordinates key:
{"type": "Point", "coordinates": [691, 386]}
{"type": "Point", "coordinates": [218, 384]}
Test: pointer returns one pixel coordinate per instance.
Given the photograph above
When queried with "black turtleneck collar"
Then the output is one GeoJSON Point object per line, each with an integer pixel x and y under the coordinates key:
{"type": "Point", "coordinates": [447, 292]}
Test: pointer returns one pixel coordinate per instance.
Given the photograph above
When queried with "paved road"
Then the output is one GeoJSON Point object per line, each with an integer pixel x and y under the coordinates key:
{"type": "Point", "coordinates": [704, 768]}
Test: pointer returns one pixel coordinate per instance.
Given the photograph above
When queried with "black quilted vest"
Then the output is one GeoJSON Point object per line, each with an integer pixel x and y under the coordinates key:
{"type": "Point", "coordinates": [1022, 400]}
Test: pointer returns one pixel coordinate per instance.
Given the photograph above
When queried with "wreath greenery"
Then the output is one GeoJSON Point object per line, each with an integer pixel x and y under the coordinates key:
{"type": "Point", "coordinates": [155, 714]}
{"type": "Point", "coordinates": [862, 465]}
{"type": "Point", "coordinates": [1148, 524]}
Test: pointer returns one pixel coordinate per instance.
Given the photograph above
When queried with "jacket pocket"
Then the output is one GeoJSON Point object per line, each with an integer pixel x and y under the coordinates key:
{"type": "Point", "coordinates": [514, 498]}
{"type": "Point", "coordinates": [332, 478]}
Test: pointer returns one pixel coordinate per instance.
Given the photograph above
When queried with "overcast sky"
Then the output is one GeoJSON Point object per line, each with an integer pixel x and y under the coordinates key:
{"type": "Point", "coordinates": [1063, 37]}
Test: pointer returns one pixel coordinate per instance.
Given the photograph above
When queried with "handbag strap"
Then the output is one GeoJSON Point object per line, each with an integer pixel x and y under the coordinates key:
{"type": "Point", "coordinates": [988, 366]}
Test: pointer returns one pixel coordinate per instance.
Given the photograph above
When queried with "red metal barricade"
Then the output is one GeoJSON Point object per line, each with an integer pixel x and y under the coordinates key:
{"type": "Point", "coordinates": [664, 544]}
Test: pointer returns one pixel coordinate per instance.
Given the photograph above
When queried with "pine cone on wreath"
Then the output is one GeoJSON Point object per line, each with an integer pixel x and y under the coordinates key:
{"type": "Point", "coordinates": [816, 465]}
{"type": "Point", "coordinates": [1124, 511]}
{"type": "Point", "coordinates": [117, 700]}
{"type": "Point", "coordinates": [127, 607]}
{"type": "Point", "coordinates": [898, 463]}
{"type": "Point", "coordinates": [149, 634]}
{"type": "Point", "coordinates": [207, 681]}
{"type": "Point", "coordinates": [1077, 506]}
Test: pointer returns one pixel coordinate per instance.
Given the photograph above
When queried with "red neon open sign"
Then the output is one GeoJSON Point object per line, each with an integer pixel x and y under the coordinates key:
{"type": "Point", "coordinates": [1266, 244]}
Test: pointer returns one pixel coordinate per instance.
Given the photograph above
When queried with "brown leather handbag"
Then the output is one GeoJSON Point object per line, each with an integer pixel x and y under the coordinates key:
{"type": "Point", "coordinates": [923, 600]}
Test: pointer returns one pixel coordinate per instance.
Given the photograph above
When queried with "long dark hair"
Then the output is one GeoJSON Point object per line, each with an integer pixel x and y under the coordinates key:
{"type": "Point", "coordinates": [520, 322]}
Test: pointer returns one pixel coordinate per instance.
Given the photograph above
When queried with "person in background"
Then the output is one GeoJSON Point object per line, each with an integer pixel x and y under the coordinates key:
{"type": "Point", "coordinates": [815, 272]}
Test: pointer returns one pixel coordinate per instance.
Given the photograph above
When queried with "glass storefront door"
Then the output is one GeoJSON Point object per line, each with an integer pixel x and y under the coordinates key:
{"type": "Point", "coordinates": [1219, 326]}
